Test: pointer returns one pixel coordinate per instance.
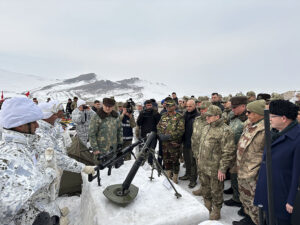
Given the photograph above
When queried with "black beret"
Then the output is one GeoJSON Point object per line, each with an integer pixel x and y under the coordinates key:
{"type": "Point", "coordinates": [109, 102]}
{"type": "Point", "coordinates": [284, 108]}
{"type": "Point", "coordinates": [239, 100]}
{"type": "Point", "coordinates": [148, 102]}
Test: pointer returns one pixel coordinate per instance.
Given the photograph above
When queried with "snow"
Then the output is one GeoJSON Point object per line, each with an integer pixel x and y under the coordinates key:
{"type": "Point", "coordinates": [82, 212]}
{"type": "Point", "coordinates": [154, 204]}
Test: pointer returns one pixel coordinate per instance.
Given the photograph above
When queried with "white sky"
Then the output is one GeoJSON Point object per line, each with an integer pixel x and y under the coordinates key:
{"type": "Point", "coordinates": [195, 46]}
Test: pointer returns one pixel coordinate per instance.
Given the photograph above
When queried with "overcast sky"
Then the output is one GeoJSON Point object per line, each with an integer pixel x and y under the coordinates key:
{"type": "Point", "coordinates": [194, 46]}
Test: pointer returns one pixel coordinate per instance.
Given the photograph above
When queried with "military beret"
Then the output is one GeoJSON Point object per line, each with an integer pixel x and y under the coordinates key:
{"type": "Point", "coordinates": [284, 108]}
{"type": "Point", "coordinates": [148, 102]}
{"type": "Point", "coordinates": [109, 102]}
{"type": "Point", "coordinates": [213, 110]}
{"type": "Point", "coordinates": [238, 100]}
{"type": "Point", "coordinates": [205, 104]}
{"type": "Point", "coordinates": [257, 106]}
{"type": "Point", "coordinates": [250, 94]}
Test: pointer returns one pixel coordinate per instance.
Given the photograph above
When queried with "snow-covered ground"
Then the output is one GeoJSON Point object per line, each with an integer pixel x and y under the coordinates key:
{"type": "Point", "coordinates": [228, 214]}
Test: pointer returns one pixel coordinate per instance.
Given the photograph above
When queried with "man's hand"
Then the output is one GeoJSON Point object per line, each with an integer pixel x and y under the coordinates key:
{"type": "Point", "coordinates": [89, 170]}
{"type": "Point", "coordinates": [221, 176]}
{"type": "Point", "coordinates": [289, 208]}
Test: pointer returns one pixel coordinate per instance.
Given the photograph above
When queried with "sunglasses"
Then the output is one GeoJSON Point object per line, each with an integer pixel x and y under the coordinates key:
{"type": "Point", "coordinates": [248, 112]}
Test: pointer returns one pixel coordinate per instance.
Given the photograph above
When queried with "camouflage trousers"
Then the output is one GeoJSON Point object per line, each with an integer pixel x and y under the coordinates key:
{"type": "Point", "coordinates": [212, 189]}
{"type": "Point", "coordinates": [171, 155]}
{"type": "Point", "coordinates": [247, 191]}
{"type": "Point", "coordinates": [125, 144]}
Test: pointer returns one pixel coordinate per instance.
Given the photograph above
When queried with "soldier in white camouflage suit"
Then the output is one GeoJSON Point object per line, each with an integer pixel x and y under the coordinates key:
{"type": "Point", "coordinates": [249, 156]}
{"type": "Point", "coordinates": [82, 116]}
{"type": "Point", "coordinates": [216, 155]}
{"type": "Point", "coordinates": [24, 182]}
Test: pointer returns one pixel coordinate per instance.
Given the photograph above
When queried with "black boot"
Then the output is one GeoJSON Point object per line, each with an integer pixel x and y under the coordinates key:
{"type": "Point", "coordinates": [241, 212]}
{"type": "Point", "coordinates": [228, 191]}
{"type": "Point", "coordinates": [245, 221]}
{"type": "Point", "coordinates": [231, 202]}
{"type": "Point", "coordinates": [192, 184]}
{"type": "Point", "coordinates": [185, 177]}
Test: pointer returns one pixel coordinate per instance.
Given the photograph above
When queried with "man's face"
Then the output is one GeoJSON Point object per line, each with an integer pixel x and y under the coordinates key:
{"type": "Point", "coordinates": [251, 98]}
{"type": "Point", "coordinates": [211, 119]}
{"type": "Point", "coordinates": [180, 102]}
{"type": "Point", "coordinates": [276, 121]}
{"type": "Point", "coordinates": [202, 111]}
{"type": "Point", "coordinates": [97, 105]}
{"type": "Point", "coordinates": [35, 101]}
{"type": "Point", "coordinates": [214, 98]}
{"type": "Point", "coordinates": [227, 105]}
{"type": "Point", "coordinates": [140, 107]}
{"type": "Point", "coordinates": [173, 95]}
{"type": "Point", "coordinates": [238, 110]}
{"type": "Point", "coordinates": [120, 108]}
{"type": "Point", "coordinates": [253, 117]}
{"type": "Point", "coordinates": [148, 106]}
{"type": "Point", "coordinates": [190, 106]}
{"type": "Point", "coordinates": [171, 108]}
{"type": "Point", "coordinates": [107, 109]}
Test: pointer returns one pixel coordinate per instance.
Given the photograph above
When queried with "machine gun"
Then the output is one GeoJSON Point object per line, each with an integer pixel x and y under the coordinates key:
{"type": "Point", "coordinates": [112, 159]}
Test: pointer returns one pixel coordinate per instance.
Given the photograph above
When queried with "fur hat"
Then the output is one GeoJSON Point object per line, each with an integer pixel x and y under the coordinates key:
{"type": "Point", "coordinates": [238, 100]}
{"type": "Point", "coordinates": [284, 108]}
{"type": "Point", "coordinates": [109, 102]}
{"type": "Point", "coordinates": [264, 96]}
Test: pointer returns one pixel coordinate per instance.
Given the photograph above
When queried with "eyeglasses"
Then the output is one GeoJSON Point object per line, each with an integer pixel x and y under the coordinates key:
{"type": "Point", "coordinates": [248, 112]}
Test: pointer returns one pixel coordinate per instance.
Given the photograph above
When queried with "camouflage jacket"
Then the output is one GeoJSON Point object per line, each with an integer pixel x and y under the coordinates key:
{"type": "Point", "coordinates": [24, 182]}
{"type": "Point", "coordinates": [226, 115]}
{"type": "Point", "coordinates": [82, 120]}
{"type": "Point", "coordinates": [250, 150]}
{"type": "Point", "coordinates": [198, 125]}
{"type": "Point", "coordinates": [217, 148]}
{"type": "Point", "coordinates": [237, 125]}
{"type": "Point", "coordinates": [48, 139]}
{"type": "Point", "coordinates": [105, 131]}
{"type": "Point", "coordinates": [172, 125]}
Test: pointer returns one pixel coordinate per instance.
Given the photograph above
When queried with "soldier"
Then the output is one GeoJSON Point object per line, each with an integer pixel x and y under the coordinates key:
{"type": "Point", "coordinates": [238, 105]}
{"type": "Point", "coordinates": [251, 96]}
{"type": "Point", "coordinates": [227, 113]}
{"type": "Point", "coordinates": [24, 182]}
{"type": "Point", "coordinates": [170, 130]}
{"type": "Point", "coordinates": [182, 106]}
{"type": "Point", "coordinates": [190, 162]}
{"type": "Point", "coordinates": [105, 130]}
{"type": "Point", "coordinates": [198, 125]}
{"type": "Point", "coordinates": [82, 116]}
{"type": "Point", "coordinates": [74, 103]}
{"type": "Point", "coordinates": [249, 157]}
{"type": "Point", "coordinates": [216, 154]}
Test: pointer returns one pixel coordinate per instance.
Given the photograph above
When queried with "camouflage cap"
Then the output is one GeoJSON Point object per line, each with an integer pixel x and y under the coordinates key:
{"type": "Point", "coordinates": [239, 94]}
{"type": "Point", "coordinates": [200, 98]}
{"type": "Point", "coordinates": [170, 102]}
{"type": "Point", "coordinates": [185, 98]}
{"type": "Point", "coordinates": [119, 104]}
{"type": "Point", "coordinates": [205, 98]}
{"type": "Point", "coordinates": [213, 110]}
{"type": "Point", "coordinates": [276, 96]}
{"type": "Point", "coordinates": [225, 99]}
{"type": "Point", "coordinates": [251, 94]}
{"type": "Point", "coordinates": [205, 104]}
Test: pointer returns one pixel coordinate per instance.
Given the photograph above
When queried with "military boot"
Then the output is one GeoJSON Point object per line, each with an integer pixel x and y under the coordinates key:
{"type": "Point", "coordinates": [175, 178]}
{"type": "Point", "coordinates": [185, 177]}
{"type": "Point", "coordinates": [197, 192]}
{"type": "Point", "coordinates": [215, 213]}
{"type": "Point", "coordinates": [208, 205]}
{"type": "Point", "coordinates": [169, 174]}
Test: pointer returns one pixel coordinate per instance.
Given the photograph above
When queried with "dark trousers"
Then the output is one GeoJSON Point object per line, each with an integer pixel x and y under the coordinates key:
{"type": "Point", "coordinates": [235, 187]}
{"type": "Point", "coordinates": [190, 164]}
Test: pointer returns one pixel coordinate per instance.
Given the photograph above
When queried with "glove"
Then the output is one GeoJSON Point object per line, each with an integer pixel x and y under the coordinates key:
{"type": "Point", "coordinates": [89, 170]}
{"type": "Point", "coordinates": [63, 220]}
{"type": "Point", "coordinates": [119, 146]}
{"type": "Point", "coordinates": [164, 137]}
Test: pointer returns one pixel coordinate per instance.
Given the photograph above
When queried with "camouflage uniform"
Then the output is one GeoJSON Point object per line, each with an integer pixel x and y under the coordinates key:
{"type": "Point", "coordinates": [251, 94]}
{"type": "Point", "coordinates": [171, 125]}
{"type": "Point", "coordinates": [216, 153]}
{"type": "Point", "coordinates": [82, 120]}
{"type": "Point", "coordinates": [236, 124]}
{"type": "Point", "coordinates": [226, 115]}
{"type": "Point", "coordinates": [24, 182]}
{"type": "Point", "coordinates": [249, 157]}
{"type": "Point", "coordinates": [105, 131]}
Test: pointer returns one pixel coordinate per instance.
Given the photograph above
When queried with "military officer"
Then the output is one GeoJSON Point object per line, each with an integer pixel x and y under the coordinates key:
{"type": "Point", "coordinates": [170, 130]}
{"type": "Point", "coordinates": [216, 155]}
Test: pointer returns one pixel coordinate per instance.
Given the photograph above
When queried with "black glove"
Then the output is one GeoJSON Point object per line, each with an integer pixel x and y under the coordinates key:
{"type": "Point", "coordinates": [119, 146]}
{"type": "Point", "coordinates": [164, 137]}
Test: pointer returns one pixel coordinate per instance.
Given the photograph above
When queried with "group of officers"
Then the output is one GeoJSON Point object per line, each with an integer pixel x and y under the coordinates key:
{"type": "Point", "coordinates": [215, 138]}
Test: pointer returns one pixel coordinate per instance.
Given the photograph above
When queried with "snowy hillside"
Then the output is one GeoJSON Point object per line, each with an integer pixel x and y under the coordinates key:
{"type": "Point", "coordinates": [86, 86]}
